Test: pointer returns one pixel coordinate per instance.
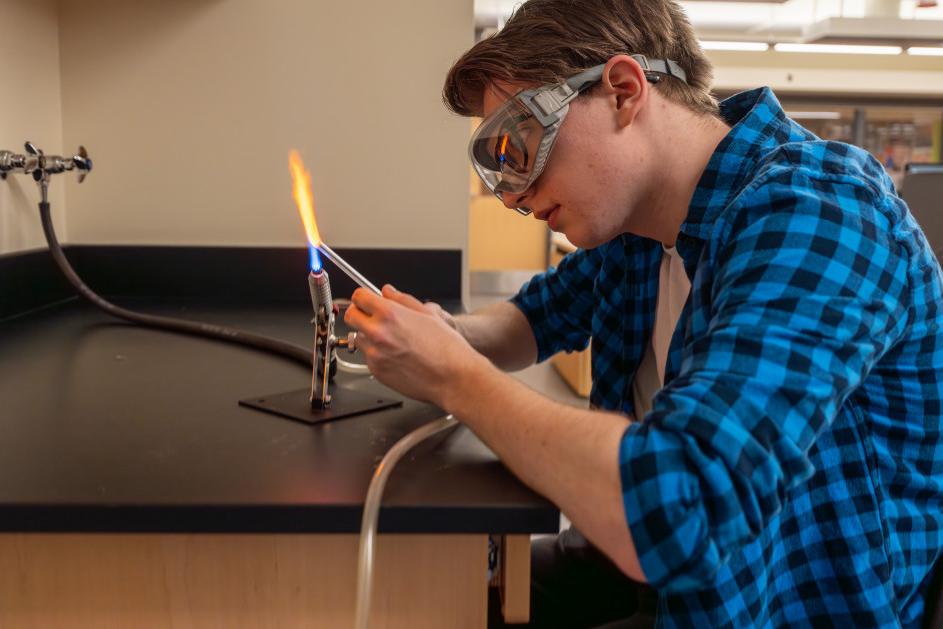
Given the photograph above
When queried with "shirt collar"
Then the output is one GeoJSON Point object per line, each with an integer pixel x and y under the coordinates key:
{"type": "Point", "coordinates": [758, 123]}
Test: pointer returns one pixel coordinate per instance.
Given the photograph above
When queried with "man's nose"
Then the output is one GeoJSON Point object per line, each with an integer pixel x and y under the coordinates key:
{"type": "Point", "coordinates": [514, 201]}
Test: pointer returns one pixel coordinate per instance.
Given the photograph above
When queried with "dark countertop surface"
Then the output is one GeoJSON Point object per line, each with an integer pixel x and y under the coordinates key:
{"type": "Point", "coordinates": [105, 426]}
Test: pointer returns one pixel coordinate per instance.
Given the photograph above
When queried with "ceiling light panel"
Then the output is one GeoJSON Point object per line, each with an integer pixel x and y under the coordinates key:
{"type": "Point", "coordinates": [918, 51]}
{"type": "Point", "coordinates": [740, 46]}
{"type": "Point", "coordinates": [844, 49]}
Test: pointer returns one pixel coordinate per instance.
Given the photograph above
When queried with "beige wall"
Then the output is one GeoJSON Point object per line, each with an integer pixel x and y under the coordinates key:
{"type": "Point", "coordinates": [29, 110]}
{"type": "Point", "coordinates": [189, 108]}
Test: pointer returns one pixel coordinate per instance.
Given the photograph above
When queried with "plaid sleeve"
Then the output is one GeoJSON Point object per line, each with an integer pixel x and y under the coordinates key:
{"type": "Point", "coordinates": [807, 293]}
{"type": "Point", "coordinates": [558, 304]}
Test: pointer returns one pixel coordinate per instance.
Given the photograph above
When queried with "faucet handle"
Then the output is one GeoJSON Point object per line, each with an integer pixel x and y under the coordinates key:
{"type": "Point", "coordinates": [34, 165]}
{"type": "Point", "coordinates": [83, 163]}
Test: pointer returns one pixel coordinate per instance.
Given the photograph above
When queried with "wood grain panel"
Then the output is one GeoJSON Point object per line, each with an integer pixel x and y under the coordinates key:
{"type": "Point", "coordinates": [237, 581]}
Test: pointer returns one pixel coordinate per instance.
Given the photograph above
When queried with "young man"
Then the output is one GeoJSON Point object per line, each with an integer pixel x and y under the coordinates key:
{"type": "Point", "coordinates": [765, 446]}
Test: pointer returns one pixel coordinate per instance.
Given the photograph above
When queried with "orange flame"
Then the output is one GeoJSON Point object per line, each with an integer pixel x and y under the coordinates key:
{"type": "Point", "coordinates": [301, 191]}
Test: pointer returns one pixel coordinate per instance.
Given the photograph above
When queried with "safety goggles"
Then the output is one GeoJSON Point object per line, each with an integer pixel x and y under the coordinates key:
{"type": "Point", "coordinates": [510, 148]}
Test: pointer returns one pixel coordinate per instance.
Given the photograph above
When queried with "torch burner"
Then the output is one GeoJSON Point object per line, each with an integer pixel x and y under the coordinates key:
{"type": "Point", "coordinates": [324, 363]}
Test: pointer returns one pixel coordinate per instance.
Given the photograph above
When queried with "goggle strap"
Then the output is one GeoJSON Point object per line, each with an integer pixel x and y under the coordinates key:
{"type": "Point", "coordinates": [666, 66]}
{"type": "Point", "coordinates": [589, 77]}
{"type": "Point", "coordinates": [552, 100]}
{"type": "Point", "coordinates": [585, 79]}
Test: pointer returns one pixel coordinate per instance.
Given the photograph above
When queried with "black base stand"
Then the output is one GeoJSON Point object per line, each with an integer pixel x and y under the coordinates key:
{"type": "Point", "coordinates": [296, 405]}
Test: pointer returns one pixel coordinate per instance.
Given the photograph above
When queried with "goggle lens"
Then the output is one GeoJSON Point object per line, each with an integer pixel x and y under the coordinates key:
{"type": "Point", "coordinates": [504, 148]}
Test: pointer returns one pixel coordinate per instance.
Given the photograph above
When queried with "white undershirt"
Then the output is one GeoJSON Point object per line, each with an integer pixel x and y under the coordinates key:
{"type": "Point", "coordinates": [673, 289]}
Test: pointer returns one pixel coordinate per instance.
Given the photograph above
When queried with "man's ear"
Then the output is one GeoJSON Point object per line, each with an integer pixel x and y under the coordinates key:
{"type": "Point", "coordinates": [624, 81]}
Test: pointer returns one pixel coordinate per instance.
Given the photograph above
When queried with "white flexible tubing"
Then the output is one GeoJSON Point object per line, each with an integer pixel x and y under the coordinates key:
{"type": "Point", "coordinates": [371, 511]}
{"type": "Point", "coordinates": [355, 368]}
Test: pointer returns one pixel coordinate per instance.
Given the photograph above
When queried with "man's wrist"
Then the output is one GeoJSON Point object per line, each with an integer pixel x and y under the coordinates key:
{"type": "Point", "coordinates": [467, 379]}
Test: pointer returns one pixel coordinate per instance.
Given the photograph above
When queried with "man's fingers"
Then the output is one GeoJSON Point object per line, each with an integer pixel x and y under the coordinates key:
{"type": "Point", "coordinates": [357, 319]}
{"type": "Point", "coordinates": [404, 299]}
{"type": "Point", "coordinates": [370, 331]}
{"type": "Point", "coordinates": [367, 301]}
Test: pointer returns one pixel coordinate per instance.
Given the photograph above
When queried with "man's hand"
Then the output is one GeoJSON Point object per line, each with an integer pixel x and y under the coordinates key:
{"type": "Point", "coordinates": [409, 346]}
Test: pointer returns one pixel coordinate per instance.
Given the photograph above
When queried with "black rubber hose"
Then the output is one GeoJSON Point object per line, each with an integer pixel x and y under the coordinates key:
{"type": "Point", "coordinates": [195, 328]}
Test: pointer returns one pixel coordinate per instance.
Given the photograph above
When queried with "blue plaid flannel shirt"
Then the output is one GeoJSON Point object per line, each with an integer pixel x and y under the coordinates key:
{"type": "Point", "coordinates": [790, 470]}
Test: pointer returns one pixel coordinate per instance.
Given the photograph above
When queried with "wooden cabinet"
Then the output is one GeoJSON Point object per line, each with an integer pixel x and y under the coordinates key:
{"type": "Point", "coordinates": [574, 367]}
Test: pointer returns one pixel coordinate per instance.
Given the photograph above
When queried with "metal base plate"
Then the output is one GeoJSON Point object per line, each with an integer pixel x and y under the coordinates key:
{"type": "Point", "coordinates": [297, 405]}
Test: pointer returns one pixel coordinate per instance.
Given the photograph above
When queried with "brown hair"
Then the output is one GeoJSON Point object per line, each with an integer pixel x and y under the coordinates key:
{"type": "Point", "coordinates": [548, 41]}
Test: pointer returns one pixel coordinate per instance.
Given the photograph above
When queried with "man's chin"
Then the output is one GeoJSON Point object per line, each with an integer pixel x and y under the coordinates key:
{"type": "Point", "coordinates": [581, 239]}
